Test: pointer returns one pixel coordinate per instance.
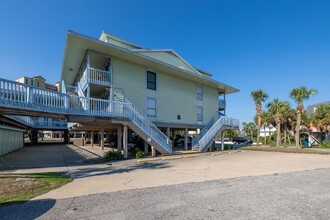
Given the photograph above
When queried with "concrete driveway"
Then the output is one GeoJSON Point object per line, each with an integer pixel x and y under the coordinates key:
{"type": "Point", "coordinates": [129, 174]}
{"type": "Point", "coordinates": [58, 156]}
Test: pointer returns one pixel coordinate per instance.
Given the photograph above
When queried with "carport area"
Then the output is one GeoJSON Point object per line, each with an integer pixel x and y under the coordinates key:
{"type": "Point", "coordinates": [48, 156]}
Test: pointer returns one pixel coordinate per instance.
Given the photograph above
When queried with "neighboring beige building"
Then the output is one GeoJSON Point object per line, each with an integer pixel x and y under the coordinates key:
{"type": "Point", "coordinates": [37, 81]}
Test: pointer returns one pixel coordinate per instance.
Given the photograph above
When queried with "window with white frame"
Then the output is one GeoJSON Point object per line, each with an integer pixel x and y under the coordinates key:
{"type": "Point", "coordinates": [199, 90]}
{"type": "Point", "coordinates": [151, 107]}
{"type": "Point", "coordinates": [199, 113]}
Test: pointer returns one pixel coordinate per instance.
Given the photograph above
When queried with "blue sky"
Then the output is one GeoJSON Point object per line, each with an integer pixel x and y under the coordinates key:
{"type": "Point", "coordinates": [273, 45]}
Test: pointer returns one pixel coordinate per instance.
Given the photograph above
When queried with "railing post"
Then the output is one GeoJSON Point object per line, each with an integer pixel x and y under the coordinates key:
{"type": "Point", "coordinates": [66, 101]}
{"type": "Point", "coordinates": [29, 95]}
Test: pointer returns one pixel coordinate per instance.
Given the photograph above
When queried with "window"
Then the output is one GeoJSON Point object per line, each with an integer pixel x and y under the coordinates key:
{"type": "Point", "coordinates": [38, 84]}
{"type": "Point", "coordinates": [26, 81]}
{"type": "Point", "coordinates": [199, 113]}
{"type": "Point", "coordinates": [151, 107]}
{"type": "Point", "coordinates": [151, 80]}
{"type": "Point", "coordinates": [199, 90]}
{"type": "Point", "coordinates": [32, 82]}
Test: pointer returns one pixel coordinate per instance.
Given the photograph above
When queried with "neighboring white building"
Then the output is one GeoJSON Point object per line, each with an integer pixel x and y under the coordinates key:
{"type": "Point", "coordinates": [267, 131]}
{"type": "Point", "coordinates": [315, 137]}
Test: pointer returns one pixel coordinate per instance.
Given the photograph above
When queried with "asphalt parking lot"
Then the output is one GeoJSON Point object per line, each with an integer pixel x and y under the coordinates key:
{"type": "Point", "coordinates": [296, 195]}
{"type": "Point", "coordinates": [227, 185]}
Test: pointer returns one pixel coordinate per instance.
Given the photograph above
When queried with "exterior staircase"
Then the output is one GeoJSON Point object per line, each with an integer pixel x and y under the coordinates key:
{"type": "Point", "coordinates": [25, 98]}
{"type": "Point", "coordinates": [211, 131]}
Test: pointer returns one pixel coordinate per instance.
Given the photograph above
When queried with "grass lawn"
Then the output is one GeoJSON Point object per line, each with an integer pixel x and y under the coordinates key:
{"type": "Point", "coordinates": [285, 150]}
{"type": "Point", "coordinates": [19, 188]}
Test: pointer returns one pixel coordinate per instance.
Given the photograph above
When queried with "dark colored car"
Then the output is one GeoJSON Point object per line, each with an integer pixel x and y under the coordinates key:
{"type": "Point", "coordinates": [180, 140]}
{"type": "Point", "coordinates": [242, 140]}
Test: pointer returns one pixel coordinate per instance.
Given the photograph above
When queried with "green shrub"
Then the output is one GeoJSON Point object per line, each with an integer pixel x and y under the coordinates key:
{"type": "Point", "coordinates": [325, 144]}
{"type": "Point", "coordinates": [228, 147]}
{"type": "Point", "coordinates": [214, 148]}
{"type": "Point", "coordinates": [112, 155]}
{"type": "Point", "coordinates": [136, 153]}
{"type": "Point", "coordinates": [139, 154]}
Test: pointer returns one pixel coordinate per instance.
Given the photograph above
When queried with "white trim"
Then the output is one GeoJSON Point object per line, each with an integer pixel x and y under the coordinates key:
{"type": "Point", "coordinates": [198, 103]}
{"type": "Point", "coordinates": [148, 70]}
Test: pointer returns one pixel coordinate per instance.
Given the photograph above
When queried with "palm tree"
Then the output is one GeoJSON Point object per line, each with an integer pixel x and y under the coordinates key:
{"type": "Point", "coordinates": [299, 95]}
{"type": "Point", "coordinates": [244, 127]}
{"type": "Point", "coordinates": [285, 114]}
{"type": "Point", "coordinates": [259, 97]}
{"type": "Point", "coordinates": [250, 128]}
{"type": "Point", "coordinates": [321, 118]}
{"type": "Point", "coordinates": [290, 122]}
{"type": "Point", "coordinates": [265, 120]}
{"type": "Point", "coordinates": [276, 109]}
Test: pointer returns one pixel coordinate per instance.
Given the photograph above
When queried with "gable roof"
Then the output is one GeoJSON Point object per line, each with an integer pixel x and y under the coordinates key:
{"type": "Point", "coordinates": [168, 56]}
{"type": "Point", "coordinates": [115, 40]}
{"type": "Point", "coordinates": [77, 44]}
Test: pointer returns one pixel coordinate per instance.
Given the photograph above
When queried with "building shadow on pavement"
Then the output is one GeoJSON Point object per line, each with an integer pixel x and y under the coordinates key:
{"type": "Point", "coordinates": [29, 210]}
{"type": "Point", "coordinates": [41, 156]}
{"type": "Point", "coordinates": [99, 171]}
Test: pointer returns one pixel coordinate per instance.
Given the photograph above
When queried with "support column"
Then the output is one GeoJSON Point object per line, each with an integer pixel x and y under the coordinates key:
{"type": "Point", "coordinates": [119, 143]}
{"type": "Point", "coordinates": [145, 147]}
{"type": "Point", "coordinates": [34, 136]}
{"type": "Point", "coordinates": [153, 151]}
{"type": "Point", "coordinates": [102, 139]}
{"type": "Point", "coordinates": [125, 137]}
{"type": "Point", "coordinates": [92, 138]}
{"type": "Point", "coordinates": [186, 139]}
{"type": "Point", "coordinates": [66, 135]}
{"type": "Point", "coordinates": [173, 138]}
{"type": "Point", "coordinates": [222, 140]}
{"type": "Point", "coordinates": [108, 137]}
{"type": "Point", "coordinates": [168, 132]}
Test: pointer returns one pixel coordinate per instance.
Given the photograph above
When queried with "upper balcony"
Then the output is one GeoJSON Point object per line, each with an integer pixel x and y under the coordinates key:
{"type": "Point", "coordinates": [95, 76]}
{"type": "Point", "coordinates": [95, 68]}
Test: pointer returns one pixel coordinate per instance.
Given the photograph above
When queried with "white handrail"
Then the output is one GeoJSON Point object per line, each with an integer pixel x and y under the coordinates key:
{"type": "Point", "coordinates": [210, 135]}
{"type": "Point", "coordinates": [22, 96]}
{"type": "Point", "coordinates": [202, 133]}
{"type": "Point", "coordinates": [39, 124]}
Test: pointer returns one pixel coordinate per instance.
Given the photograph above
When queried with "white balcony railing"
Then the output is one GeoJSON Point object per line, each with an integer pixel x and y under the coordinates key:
{"type": "Point", "coordinates": [211, 133]}
{"type": "Point", "coordinates": [95, 76]}
{"type": "Point", "coordinates": [16, 95]}
{"type": "Point", "coordinates": [47, 124]}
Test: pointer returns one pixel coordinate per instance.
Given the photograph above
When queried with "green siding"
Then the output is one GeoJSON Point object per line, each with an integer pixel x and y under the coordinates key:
{"type": "Point", "coordinates": [210, 104]}
{"type": "Point", "coordinates": [175, 96]}
{"type": "Point", "coordinates": [10, 140]}
{"type": "Point", "coordinates": [132, 79]}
